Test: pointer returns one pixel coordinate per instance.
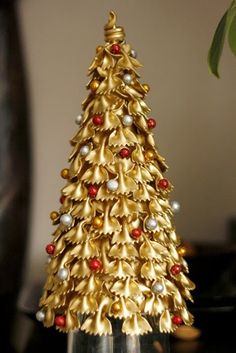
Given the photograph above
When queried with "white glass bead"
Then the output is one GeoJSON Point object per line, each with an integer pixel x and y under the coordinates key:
{"type": "Point", "coordinates": [79, 119]}
{"type": "Point", "coordinates": [62, 274]}
{"type": "Point", "coordinates": [151, 223]}
{"type": "Point", "coordinates": [127, 78]}
{"type": "Point", "coordinates": [112, 185]}
{"type": "Point", "coordinates": [158, 288]}
{"type": "Point", "coordinates": [84, 150]}
{"type": "Point", "coordinates": [133, 53]}
{"type": "Point", "coordinates": [66, 219]}
{"type": "Point", "coordinates": [40, 315]}
{"type": "Point", "coordinates": [127, 120]}
{"type": "Point", "coordinates": [175, 206]}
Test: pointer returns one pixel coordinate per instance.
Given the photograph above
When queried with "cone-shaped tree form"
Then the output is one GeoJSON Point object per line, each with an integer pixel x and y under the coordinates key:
{"type": "Point", "coordinates": [115, 251]}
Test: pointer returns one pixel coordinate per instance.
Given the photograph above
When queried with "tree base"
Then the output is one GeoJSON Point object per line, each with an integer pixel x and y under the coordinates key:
{"type": "Point", "coordinates": [81, 342]}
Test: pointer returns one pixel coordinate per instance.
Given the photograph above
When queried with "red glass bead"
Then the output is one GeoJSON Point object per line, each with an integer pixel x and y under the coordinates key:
{"type": "Point", "coordinates": [95, 264]}
{"type": "Point", "coordinates": [115, 48]}
{"type": "Point", "coordinates": [50, 248]}
{"type": "Point", "coordinates": [136, 233]}
{"type": "Point", "coordinates": [176, 269]}
{"type": "Point", "coordinates": [60, 321]}
{"type": "Point", "coordinates": [151, 123]}
{"type": "Point", "coordinates": [92, 190]}
{"type": "Point", "coordinates": [98, 120]}
{"type": "Point", "coordinates": [163, 183]}
{"type": "Point", "coordinates": [177, 320]}
{"type": "Point", "coordinates": [62, 199]}
{"type": "Point", "coordinates": [124, 153]}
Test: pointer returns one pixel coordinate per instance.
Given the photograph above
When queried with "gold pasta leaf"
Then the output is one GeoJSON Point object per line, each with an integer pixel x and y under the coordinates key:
{"type": "Point", "coordinates": [136, 324]}
{"type": "Point", "coordinates": [83, 304]}
{"type": "Point", "coordinates": [97, 325]}
{"type": "Point", "coordinates": [123, 251]}
{"type": "Point", "coordinates": [126, 288]}
{"type": "Point", "coordinates": [152, 250]}
{"type": "Point", "coordinates": [84, 210]}
{"type": "Point", "coordinates": [72, 321]}
{"type": "Point", "coordinates": [148, 270]}
{"type": "Point", "coordinates": [125, 207]}
{"type": "Point", "coordinates": [80, 269]}
{"type": "Point", "coordinates": [89, 285]}
{"type": "Point", "coordinates": [120, 269]}
{"type": "Point", "coordinates": [96, 174]}
{"type": "Point", "coordinates": [165, 322]}
{"type": "Point", "coordinates": [85, 250]}
{"type": "Point", "coordinates": [101, 156]}
{"type": "Point", "coordinates": [49, 317]}
{"type": "Point", "coordinates": [122, 137]}
{"type": "Point", "coordinates": [186, 316]}
{"type": "Point", "coordinates": [138, 156]}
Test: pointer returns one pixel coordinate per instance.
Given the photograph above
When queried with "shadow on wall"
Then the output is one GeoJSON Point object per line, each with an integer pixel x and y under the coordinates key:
{"type": "Point", "coordinates": [14, 165]}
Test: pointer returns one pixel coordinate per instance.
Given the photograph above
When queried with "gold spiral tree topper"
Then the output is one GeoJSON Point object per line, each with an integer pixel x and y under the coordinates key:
{"type": "Point", "coordinates": [115, 252]}
{"type": "Point", "coordinates": [111, 31]}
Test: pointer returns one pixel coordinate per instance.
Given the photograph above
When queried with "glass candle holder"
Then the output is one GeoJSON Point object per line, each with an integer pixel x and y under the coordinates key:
{"type": "Point", "coordinates": [118, 342]}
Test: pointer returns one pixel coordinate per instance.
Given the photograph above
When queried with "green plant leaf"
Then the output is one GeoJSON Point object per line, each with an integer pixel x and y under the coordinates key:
{"type": "Point", "coordinates": [217, 45]}
{"type": "Point", "coordinates": [232, 29]}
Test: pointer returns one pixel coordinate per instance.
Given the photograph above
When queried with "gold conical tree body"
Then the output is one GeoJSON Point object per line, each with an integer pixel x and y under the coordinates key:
{"type": "Point", "coordinates": [114, 253]}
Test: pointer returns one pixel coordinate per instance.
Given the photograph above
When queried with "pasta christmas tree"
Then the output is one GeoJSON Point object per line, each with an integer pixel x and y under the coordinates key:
{"type": "Point", "coordinates": [115, 253]}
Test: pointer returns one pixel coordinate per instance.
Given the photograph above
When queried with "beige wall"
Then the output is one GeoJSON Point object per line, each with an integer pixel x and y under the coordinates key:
{"type": "Point", "coordinates": [195, 111]}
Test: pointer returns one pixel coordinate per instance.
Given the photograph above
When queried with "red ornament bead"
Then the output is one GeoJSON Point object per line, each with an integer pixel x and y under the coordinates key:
{"type": "Point", "coordinates": [95, 264]}
{"type": "Point", "coordinates": [62, 199]}
{"type": "Point", "coordinates": [177, 320]}
{"type": "Point", "coordinates": [136, 233]}
{"type": "Point", "coordinates": [151, 123]}
{"type": "Point", "coordinates": [50, 248]}
{"type": "Point", "coordinates": [163, 183]}
{"type": "Point", "coordinates": [115, 48]}
{"type": "Point", "coordinates": [98, 120]}
{"type": "Point", "coordinates": [92, 190]}
{"type": "Point", "coordinates": [124, 153]}
{"type": "Point", "coordinates": [60, 321]}
{"type": "Point", "coordinates": [176, 269]}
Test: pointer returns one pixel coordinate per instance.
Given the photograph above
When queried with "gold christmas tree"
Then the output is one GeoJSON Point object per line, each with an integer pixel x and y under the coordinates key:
{"type": "Point", "coordinates": [115, 253]}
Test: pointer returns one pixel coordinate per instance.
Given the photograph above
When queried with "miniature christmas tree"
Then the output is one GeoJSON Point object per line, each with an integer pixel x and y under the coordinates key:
{"type": "Point", "coordinates": [115, 253]}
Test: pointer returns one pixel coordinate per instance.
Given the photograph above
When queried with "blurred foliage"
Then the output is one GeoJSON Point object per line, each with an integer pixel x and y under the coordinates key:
{"type": "Point", "coordinates": [226, 30]}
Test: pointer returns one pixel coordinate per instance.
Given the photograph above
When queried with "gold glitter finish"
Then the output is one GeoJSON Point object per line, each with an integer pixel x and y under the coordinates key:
{"type": "Point", "coordinates": [54, 215]}
{"type": "Point", "coordinates": [146, 87]}
{"type": "Point", "coordinates": [94, 85]}
{"type": "Point", "coordinates": [97, 222]}
{"type": "Point", "coordinates": [124, 285]}
{"type": "Point", "coordinates": [182, 250]}
{"type": "Point", "coordinates": [65, 173]}
{"type": "Point", "coordinates": [149, 155]}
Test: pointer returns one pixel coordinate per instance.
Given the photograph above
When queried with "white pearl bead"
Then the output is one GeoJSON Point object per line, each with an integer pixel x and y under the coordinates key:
{"type": "Point", "coordinates": [158, 288]}
{"type": "Point", "coordinates": [175, 206]}
{"type": "Point", "coordinates": [62, 274]}
{"type": "Point", "coordinates": [40, 315]}
{"type": "Point", "coordinates": [151, 223]}
{"type": "Point", "coordinates": [128, 120]}
{"type": "Point", "coordinates": [127, 78]}
{"type": "Point", "coordinates": [79, 119]}
{"type": "Point", "coordinates": [112, 185]}
{"type": "Point", "coordinates": [84, 150]}
{"type": "Point", "coordinates": [133, 53]}
{"type": "Point", "coordinates": [66, 219]}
